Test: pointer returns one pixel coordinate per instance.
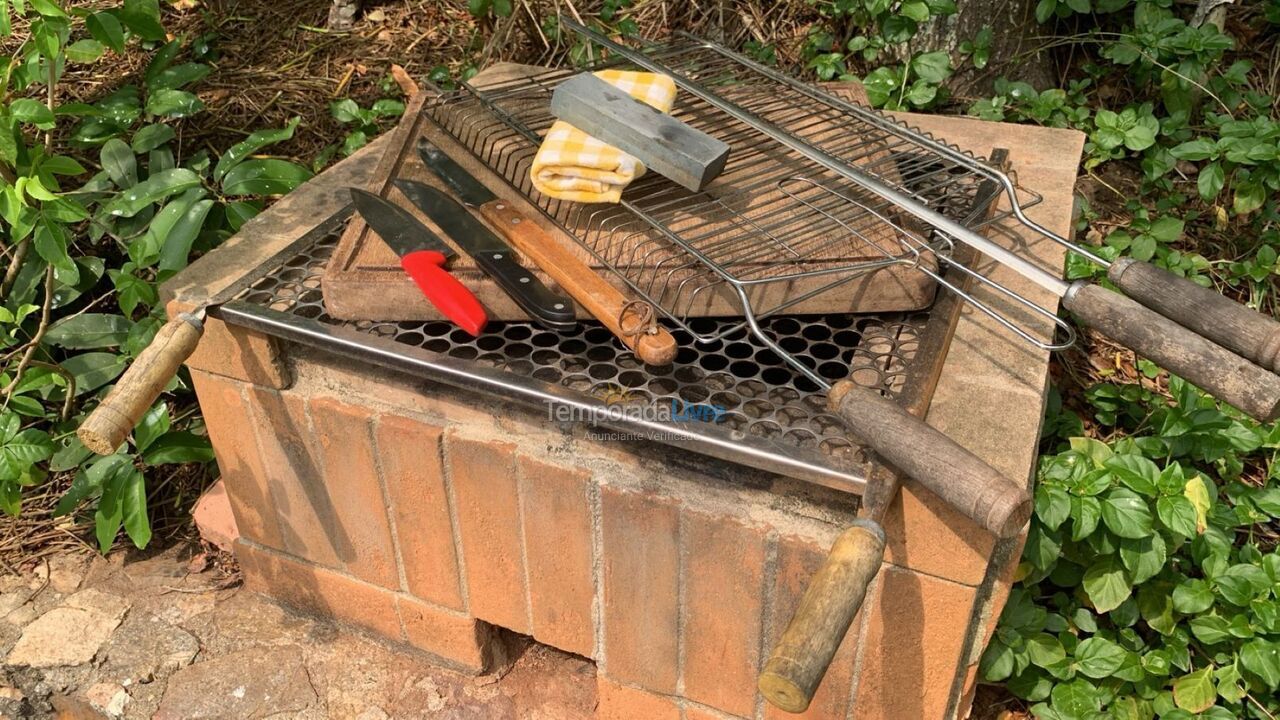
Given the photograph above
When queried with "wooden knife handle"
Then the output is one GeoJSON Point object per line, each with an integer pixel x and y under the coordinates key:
{"type": "Point", "coordinates": [110, 423]}
{"type": "Point", "coordinates": [601, 299]}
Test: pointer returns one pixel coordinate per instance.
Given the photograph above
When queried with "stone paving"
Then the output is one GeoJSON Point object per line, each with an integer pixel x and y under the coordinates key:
{"type": "Point", "coordinates": [164, 637]}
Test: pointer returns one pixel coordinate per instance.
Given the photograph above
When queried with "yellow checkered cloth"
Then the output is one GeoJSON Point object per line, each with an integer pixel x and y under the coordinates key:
{"type": "Point", "coordinates": [572, 165]}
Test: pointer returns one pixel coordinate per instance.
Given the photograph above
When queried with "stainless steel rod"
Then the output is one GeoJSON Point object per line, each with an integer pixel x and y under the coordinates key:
{"type": "Point", "coordinates": [942, 223]}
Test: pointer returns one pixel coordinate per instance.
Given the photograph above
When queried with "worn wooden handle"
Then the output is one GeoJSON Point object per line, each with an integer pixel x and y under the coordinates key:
{"type": "Point", "coordinates": [932, 459]}
{"type": "Point", "coordinates": [601, 299]}
{"type": "Point", "coordinates": [1220, 372]}
{"type": "Point", "coordinates": [110, 423]}
{"type": "Point", "coordinates": [803, 654]}
{"type": "Point", "coordinates": [1245, 332]}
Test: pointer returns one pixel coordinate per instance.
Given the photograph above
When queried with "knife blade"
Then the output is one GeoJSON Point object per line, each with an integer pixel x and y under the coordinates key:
{"type": "Point", "coordinates": [552, 310]}
{"type": "Point", "coordinates": [423, 256]}
{"type": "Point", "coordinates": [469, 190]}
{"type": "Point", "coordinates": [633, 323]}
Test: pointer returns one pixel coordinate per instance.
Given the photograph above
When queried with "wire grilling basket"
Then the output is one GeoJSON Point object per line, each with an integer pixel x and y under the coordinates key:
{"type": "Point", "coordinates": [773, 217]}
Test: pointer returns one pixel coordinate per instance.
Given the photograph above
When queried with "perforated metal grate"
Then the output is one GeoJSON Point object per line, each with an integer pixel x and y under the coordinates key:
{"type": "Point", "coordinates": [763, 401]}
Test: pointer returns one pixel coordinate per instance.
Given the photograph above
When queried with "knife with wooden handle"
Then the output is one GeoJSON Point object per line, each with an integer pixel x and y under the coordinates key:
{"type": "Point", "coordinates": [634, 323]}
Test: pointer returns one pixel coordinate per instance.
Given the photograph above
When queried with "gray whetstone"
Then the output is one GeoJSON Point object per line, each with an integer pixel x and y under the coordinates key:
{"type": "Point", "coordinates": [665, 145]}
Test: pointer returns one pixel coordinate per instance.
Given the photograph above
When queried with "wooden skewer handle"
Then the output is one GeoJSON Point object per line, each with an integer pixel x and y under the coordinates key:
{"type": "Point", "coordinates": [1222, 373]}
{"type": "Point", "coordinates": [109, 425]}
{"type": "Point", "coordinates": [932, 459]}
{"type": "Point", "coordinates": [1249, 334]}
{"type": "Point", "coordinates": [803, 654]}
{"type": "Point", "coordinates": [601, 299]}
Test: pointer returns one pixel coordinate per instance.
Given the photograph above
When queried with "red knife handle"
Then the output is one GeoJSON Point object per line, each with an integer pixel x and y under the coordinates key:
{"type": "Point", "coordinates": [450, 297]}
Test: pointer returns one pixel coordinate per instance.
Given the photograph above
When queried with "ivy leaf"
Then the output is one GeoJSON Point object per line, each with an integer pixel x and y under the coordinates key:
{"type": "Point", "coordinates": [109, 515]}
{"type": "Point", "coordinates": [1045, 650]}
{"type": "Point", "coordinates": [932, 67]}
{"type": "Point", "coordinates": [177, 246]}
{"type": "Point", "coordinates": [152, 425]}
{"type": "Point", "coordinates": [143, 18]}
{"type": "Point", "coordinates": [1210, 181]}
{"type": "Point", "coordinates": [1126, 514]}
{"type": "Point", "coordinates": [85, 51]}
{"type": "Point", "coordinates": [1210, 629]}
{"type": "Point", "coordinates": [997, 661]}
{"type": "Point", "coordinates": [1085, 514]}
{"type": "Point", "coordinates": [173, 103]}
{"type": "Point", "coordinates": [1192, 596]}
{"type": "Point", "coordinates": [51, 245]}
{"type": "Point", "coordinates": [1198, 493]}
{"type": "Point", "coordinates": [1076, 699]}
{"type": "Point", "coordinates": [1107, 584]}
{"type": "Point", "coordinates": [1144, 557]}
{"type": "Point", "coordinates": [88, 330]}
{"type": "Point", "coordinates": [133, 508]}
{"type": "Point", "coordinates": [1198, 149]}
{"type": "Point", "coordinates": [264, 177]}
{"type": "Point", "coordinates": [915, 9]}
{"type": "Point", "coordinates": [1178, 514]}
{"type": "Point", "coordinates": [106, 29]}
{"type": "Point", "coordinates": [1262, 658]}
{"type": "Point", "coordinates": [172, 78]}
{"type": "Point", "coordinates": [178, 447]}
{"type": "Point", "coordinates": [151, 137]}
{"type": "Point", "coordinates": [152, 190]}
{"type": "Point", "coordinates": [1098, 657]}
{"type": "Point", "coordinates": [1194, 692]}
{"type": "Point", "coordinates": [1136, 472]}
{"type": "Point", "coordinates": [93, 370]}
{"type": "Point", "coordinates": [1052, 505]}
{"type": "Point", "coordinates": [119, 162]}
{"type": "Point", "coordinates": [255, 142]}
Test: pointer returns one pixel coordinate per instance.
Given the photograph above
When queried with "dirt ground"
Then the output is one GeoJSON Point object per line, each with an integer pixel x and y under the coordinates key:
{"type": "Point", "coordinates": [172, 636]}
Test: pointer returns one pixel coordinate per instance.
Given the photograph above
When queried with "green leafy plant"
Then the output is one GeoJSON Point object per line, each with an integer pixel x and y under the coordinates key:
{"type": "Point", "coordinates": [1145, 588]}
{"type": "Point", "coordinates": [858, 33]}
{"type": "Point", "coordinates": [89, 233]}
{"type": "Point", "coordinates": [365, 122]}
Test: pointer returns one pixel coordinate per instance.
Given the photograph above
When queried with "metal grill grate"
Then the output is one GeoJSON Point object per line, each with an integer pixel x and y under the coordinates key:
{"type": "Point", "coordinates": [768, 408]}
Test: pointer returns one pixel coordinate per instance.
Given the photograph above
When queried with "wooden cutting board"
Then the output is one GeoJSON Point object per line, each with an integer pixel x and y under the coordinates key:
{"type": "Point", "coordinates": [363, 280]}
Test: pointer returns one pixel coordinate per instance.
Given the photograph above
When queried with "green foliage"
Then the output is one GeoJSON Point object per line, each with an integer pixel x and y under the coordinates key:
{"type": "Point", "coordinates": [1150, 580]}
{"type": "Point", "coordinates": [1145, 590]}
{"type": "Point", "coordinates": [365, 122]}
{"type": "Point", "coordinates": [88, 247]}
{"type": "Point", "coordinates": [857, 35]}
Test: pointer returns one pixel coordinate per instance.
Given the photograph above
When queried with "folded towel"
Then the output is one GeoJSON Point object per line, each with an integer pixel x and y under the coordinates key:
{"type": "Point", "coordinates": [572, 165]}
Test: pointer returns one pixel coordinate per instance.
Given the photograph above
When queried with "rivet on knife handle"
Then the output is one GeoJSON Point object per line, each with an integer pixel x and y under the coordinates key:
{"type": "Point", "coordinates": [602, 300]}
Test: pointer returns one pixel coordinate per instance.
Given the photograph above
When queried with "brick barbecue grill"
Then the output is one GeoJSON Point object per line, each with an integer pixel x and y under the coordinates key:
{"type": "Point", "coordinates": [417, 483]}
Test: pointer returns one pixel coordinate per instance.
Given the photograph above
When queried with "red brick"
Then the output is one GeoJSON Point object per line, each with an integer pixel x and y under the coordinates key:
{"type": "Point", "coordinates": [641, 588]}
{"type": "Point", "coordinates": [344, 441]}
{"type": "Point", "coordinates": [229, 419]}
{"type": "Point", "coordinates": [460, 639]}
{"type": "Point", "coordinates": [798, 561]}
{"type": "Point", "coordinates": [619, 702]}
{"type": "Point", "coordinates": [926, 534]}
{"type": "Point", "coordinates": [724, 589]}
{"type": "Point", "coordinates": [303, 507]}
{"type": "Point", "coordinates": [236, 353]}
{"type": "Point", "coordinates": [318, 590]}
{"type": "Point", "coordinates": [692, 712]}
{"type": "Point", "coordinates": [413, 470]}
{"type": "Point", "coordinates": [916, 630]}
{"type": "Point", "coordinates": [559, 534]}
{"type": "Point", "coordinates": [484, 486]}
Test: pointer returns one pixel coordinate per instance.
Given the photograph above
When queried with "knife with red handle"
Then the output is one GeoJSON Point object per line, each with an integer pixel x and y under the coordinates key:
{"type": "Point", "coordinates": [423, 256]}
